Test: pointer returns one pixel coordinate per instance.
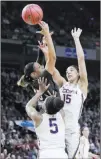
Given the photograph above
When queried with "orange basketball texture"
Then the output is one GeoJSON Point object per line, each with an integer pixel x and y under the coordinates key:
{"type": "Point", "coordinates": [32, 14]}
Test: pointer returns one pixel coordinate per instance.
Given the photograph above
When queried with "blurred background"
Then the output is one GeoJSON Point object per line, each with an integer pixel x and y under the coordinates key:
{"type": "Point", "coordinates": [19, 46]}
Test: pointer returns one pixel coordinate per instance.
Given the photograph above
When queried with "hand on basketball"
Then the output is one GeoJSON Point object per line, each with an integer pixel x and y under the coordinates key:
{"type": "Point", "coordinates": [76, 32]}
{"type": "Point", "coordinates": [43, 86]}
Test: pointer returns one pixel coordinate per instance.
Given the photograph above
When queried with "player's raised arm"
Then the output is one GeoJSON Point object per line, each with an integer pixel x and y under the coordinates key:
{"type": "Point", "coordinates": [51, 60]}
{"type": "Point", "coordinates": [80, 56]}
{"type": "Point", "coordinates": [30, 107]}
{"type": "Point", "coordinates": [59, 80]}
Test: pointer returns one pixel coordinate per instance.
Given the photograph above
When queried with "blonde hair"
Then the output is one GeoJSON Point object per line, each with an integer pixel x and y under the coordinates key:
{"type": "Point", "coordinates": [22, 82]}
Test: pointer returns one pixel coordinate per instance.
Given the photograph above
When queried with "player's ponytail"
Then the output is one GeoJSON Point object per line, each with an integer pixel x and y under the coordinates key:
{"type": "Point", "coordinates": [22, 82]}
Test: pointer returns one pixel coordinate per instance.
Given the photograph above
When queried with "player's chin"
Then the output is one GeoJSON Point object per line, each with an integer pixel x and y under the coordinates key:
{"type": "Point", "coordinates": [70, 80]}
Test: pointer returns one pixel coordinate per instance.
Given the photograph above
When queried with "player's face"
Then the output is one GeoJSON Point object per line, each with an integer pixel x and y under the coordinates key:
{"type": "Point", "coordinates": [38, 70]}
{"type": "Point", "coordinates": [86, 132]}
{"type": "Point", "coordinates": [72, 74]}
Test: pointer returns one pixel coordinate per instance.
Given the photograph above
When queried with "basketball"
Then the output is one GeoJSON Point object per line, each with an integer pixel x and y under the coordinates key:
{"type": "Point", "coordinates": [32, 14]}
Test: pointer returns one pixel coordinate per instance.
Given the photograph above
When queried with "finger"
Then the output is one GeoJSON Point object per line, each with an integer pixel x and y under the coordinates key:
{"type": "Point", "coordinates": [40, 24]}
{"type": "Point", "coordinates": [52, 32]}
{"type": "Point", "coordinates": [43, 80]}
{"type": "Point", "coordinates": [46, 95]}
{"type": "Point", "coordinates": [75, 29]}
{"type": "Point", "coordinates": [39, 43]}
{"type": "Point", "coordinates": [81, 30]}
{"type": "Point", "coordinates": [55, 93]}
{"type": "Point", "coordinates": [49, 92]}
{"type": "Point", "coordinates": [39, 81]}
{"type": "Point", "coordinates": [72, 31]}
{"type": "Point", "coordinates": [46, 81]}
{"type": "Point", "coordinates": [47, 86]}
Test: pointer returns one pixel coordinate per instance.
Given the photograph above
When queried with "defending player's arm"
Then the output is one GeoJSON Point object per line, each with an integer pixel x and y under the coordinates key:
{"type": "Point", "coordinates": [30, 107]}
{"type": "Point", "coordinates": [81, 59]}
{"type": "Point", "coordinates": [51, 58]}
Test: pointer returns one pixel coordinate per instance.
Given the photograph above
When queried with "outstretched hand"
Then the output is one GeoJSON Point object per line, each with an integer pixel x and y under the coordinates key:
{"type": "Point", "coordinates": [45, 28]}
{"type": "Point", "coordinates": [43, 86]}
{"type": "Point", "coordinates": [76, 32]}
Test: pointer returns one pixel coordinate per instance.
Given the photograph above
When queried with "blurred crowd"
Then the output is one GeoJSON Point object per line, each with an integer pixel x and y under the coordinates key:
{"type": "Point", "coordinates": [16, 142]}
{"type": "Point", "coordinates": [67, 16]}
{"type": "Point", "coordinates": [20, 143]}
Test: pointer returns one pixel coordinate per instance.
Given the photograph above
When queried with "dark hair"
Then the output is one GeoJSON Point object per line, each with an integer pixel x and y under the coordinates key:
{"type": "Point", "coordinates": [53, 105]}
{"type": "Point", "coordinates": [29, 68]}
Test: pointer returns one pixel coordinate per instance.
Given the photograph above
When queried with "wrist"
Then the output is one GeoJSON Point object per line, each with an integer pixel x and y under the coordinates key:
{"type": "Point", "coordinates": [76, 38]}
{"type": "Point", "coordinates": [40, 93]}
{"type": "Point", "coordinates": [47, 33]}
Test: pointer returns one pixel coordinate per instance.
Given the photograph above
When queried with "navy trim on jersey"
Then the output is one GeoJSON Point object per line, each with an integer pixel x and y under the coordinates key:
{"type": "Point", "coordinates": [81, 106]}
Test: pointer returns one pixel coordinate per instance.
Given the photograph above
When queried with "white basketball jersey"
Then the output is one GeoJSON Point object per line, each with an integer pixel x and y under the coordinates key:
{"type": "Point", "coordinates": [73, 98]}
{"type": "Point", "coordinates": [51, 132]}
{"type": "Point", "coordinates": [83, 151]}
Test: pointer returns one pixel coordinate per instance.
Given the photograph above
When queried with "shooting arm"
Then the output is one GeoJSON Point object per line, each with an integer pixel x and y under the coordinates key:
{"type": "Point", "coordinates": [51, 56]}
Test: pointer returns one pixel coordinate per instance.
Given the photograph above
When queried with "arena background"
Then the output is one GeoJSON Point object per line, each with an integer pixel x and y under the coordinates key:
{"type": "Point", "coordinates": [19, 46]}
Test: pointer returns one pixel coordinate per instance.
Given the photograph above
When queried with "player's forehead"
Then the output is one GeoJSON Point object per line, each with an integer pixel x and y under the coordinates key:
{"type": "Point", "coordinates": [70, 68]}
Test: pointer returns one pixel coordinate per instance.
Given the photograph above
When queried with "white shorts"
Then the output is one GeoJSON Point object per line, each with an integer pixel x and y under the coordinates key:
{"type": "Point", "coordinates": [53, 154]}
{"type": "Point", "coordinates": [72, 143]}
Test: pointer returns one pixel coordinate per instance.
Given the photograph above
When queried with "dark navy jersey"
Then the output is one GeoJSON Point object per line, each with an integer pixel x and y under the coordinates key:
{"type": "Point", "coordinates": [53, 85]}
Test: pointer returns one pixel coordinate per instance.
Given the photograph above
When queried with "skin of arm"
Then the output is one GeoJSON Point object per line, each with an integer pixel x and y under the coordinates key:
{"type": "Point", "coordinates": [56, 75]}
{"type": "Point", "coordinates": [31, 111]}
{"type": "Point", "coordinates": [81, 60]}
{"type": "Point", "coordinates": [30, 107]}
{"type": "Point", "coordinates": [51, 60]}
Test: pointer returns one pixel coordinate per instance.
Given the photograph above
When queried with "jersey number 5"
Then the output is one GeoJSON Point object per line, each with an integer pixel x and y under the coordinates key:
{"type": "Point", "coordinates": [53, 125]}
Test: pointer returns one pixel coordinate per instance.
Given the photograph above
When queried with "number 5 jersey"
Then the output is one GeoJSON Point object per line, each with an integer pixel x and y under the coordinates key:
{"type": "Point", "coordinates": [74, 99]}
{"type": "Point", "coordinates": [51, 132]}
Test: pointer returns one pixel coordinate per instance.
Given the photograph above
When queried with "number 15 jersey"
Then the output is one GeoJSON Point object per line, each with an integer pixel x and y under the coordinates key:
{"type": "Point", "coordinates": [73, 98]}
{"type": "Point", "coordinates": [51, 132]}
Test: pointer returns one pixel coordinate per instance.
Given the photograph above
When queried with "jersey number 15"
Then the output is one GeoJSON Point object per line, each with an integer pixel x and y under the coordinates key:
{"type": "Point", "coordinates": [67, 98]}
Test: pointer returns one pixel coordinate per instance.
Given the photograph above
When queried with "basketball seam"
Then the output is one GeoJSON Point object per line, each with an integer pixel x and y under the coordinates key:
{"type": "Point", "coordinates": [37, 11]}
{"type": "Point", "coordinates": [26, 14]}
{"type": "Point", "coordinates": [31, 15]}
